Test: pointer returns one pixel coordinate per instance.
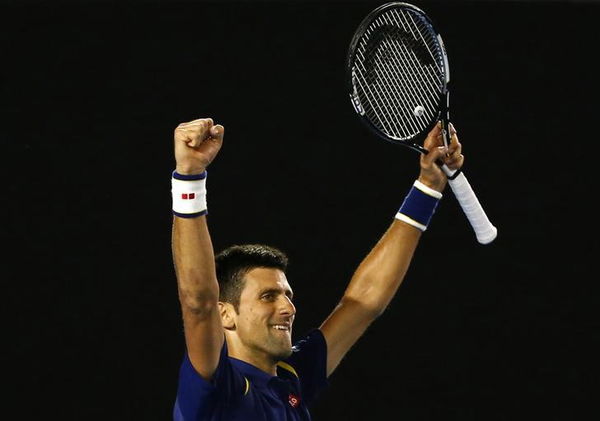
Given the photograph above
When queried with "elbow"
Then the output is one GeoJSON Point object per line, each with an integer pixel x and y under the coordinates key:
{"type": "Point", "coordinates": [198, 303]}
{"type": "Point", "coordinates": [375, 311]}
{"type": "Point", "coordinates": [367, 309]}
{"type": "Point", "coordinates": [198, 291]}
{"type": "Point", "coordinates": [373, 295]}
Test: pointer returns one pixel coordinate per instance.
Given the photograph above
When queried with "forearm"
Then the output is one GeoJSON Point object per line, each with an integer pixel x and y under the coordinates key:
{"type": "Point", "coordinates": [194, 262]}
{"type": "Point", "coordinates": [381, 272]}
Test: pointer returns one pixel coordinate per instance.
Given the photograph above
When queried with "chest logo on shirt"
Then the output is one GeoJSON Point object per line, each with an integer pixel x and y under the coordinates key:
{"type": "Point", "coordinates": [293, 400]}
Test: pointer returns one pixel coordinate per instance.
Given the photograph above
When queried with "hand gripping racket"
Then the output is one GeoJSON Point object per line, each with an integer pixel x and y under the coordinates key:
{"type": "Point", "coordinates": [398, 75]}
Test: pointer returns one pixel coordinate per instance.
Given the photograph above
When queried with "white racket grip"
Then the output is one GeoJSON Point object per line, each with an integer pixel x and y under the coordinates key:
{"type": "Point", "coordinates": [484, 230]}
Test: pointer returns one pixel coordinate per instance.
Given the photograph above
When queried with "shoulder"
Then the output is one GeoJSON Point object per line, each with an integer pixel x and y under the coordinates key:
{"type": "Point", "coordinates": [309, 354]}
{"type": "Point", "coordinates": [314, 341]}
{"type": "Point", "coordinates": [196, 395]}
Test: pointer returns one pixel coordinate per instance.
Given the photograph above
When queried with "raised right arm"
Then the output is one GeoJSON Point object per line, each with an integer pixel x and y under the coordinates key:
{"type": "Point", "coordinates": [196, 144]}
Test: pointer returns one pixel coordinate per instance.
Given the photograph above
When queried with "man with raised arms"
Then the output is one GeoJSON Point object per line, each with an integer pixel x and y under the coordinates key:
{"type": "Point", "coordinates": [238, 307]}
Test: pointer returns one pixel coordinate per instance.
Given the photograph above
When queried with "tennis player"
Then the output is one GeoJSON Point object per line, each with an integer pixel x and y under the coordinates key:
{"type": "Point", "coordinates": [238, 307]}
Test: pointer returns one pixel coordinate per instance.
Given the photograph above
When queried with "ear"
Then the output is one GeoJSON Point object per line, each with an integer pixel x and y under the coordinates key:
{"type": "Point", "coordinates": [227, 313]}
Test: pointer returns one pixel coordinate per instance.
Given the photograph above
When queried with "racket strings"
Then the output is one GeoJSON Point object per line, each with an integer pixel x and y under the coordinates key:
{"type": "Point", "coordinates": [382, 103]}
{"type": "Point", "coordinates": [408, 92]}
{"type": "Point", "coordinates": [411, 54]}
{"type": "Point", "coordinates": [396, 92]}
{"type": "Point", "coordinates": [431, 79]}
{"type": "Point", "coordinates": [385, 103]}
{"type": "Point", "coordinates": [398, 73]}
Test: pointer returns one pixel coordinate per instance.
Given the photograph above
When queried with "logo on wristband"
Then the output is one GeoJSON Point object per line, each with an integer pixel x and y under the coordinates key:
{"type": "Point", "coordinates": [188, 196]}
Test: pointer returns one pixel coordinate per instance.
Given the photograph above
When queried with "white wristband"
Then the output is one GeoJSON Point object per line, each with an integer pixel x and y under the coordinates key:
{"type": "Point", "coordinates": [428, 190]}
{"type": "Point", "coordinates": [189, 194]}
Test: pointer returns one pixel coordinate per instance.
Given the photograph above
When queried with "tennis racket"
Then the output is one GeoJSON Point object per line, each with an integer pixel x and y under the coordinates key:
{"type": "Point", "coordinates": [398, 76]}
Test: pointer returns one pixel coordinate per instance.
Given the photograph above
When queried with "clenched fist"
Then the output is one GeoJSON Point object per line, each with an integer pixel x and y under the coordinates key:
{"type": "Point", "coordinates": [196, 144]}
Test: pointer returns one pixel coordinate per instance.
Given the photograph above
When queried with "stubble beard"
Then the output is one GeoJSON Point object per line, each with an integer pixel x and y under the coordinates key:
{"type": "Point", "coordinates": [273, 345]}
{"type": "Point", "coordinates": [279, 348]}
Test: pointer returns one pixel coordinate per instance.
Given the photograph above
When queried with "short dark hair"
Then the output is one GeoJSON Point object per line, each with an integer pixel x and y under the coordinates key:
{"type": "Point", "coordinates": [235, 261]}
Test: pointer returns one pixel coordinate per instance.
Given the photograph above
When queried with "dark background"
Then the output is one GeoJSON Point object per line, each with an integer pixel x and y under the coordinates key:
{"type": "Point", "coordinates": [91, 93]}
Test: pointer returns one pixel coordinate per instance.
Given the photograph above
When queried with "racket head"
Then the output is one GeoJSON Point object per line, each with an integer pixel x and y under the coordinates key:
{"type": "Point", "coordinates": [397, 74]}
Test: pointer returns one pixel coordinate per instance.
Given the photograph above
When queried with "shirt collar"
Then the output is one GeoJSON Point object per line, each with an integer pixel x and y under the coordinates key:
{"type": "Point", "coordinates": [257, 376]}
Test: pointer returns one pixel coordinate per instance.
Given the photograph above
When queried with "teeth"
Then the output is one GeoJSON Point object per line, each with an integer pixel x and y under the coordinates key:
{"type": "Point", "coordinates": [280, 327]}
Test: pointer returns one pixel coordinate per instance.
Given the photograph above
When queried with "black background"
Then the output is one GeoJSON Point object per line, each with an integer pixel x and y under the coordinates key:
{"type": "Point", "coordinates": [91, 93]}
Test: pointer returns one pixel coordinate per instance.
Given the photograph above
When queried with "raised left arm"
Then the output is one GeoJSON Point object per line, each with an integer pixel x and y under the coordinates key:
{"type": "Point", "coordinates": [380, 274]}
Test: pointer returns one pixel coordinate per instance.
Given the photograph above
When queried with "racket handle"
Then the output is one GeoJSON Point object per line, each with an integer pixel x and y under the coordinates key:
{"type": "Point", "coordinates": [484, 230]}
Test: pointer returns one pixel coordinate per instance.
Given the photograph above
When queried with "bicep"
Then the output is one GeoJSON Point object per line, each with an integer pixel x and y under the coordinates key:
{"type": "Point", "coordinates": [344, 326]}
{"type": "Point", "coordinates": [204, 339]}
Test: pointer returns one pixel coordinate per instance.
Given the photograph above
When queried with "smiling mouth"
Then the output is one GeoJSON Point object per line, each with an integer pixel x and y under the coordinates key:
{"type": "Point", "coordinates": [284, 328]}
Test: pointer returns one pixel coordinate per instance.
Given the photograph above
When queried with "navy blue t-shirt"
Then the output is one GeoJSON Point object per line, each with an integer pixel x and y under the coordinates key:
{"type": "Point", "coordinates": [239, 391]}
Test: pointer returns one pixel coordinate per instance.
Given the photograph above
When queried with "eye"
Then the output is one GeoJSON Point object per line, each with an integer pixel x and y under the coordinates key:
{"type": "Point", "coordinates": [268, 296]}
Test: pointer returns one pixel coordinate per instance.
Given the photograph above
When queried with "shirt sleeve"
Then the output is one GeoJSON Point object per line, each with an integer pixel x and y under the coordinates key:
{"type": "Point", "coordinates": [197, 397]}
{"type": "Point", "coordinates": [309, 359]}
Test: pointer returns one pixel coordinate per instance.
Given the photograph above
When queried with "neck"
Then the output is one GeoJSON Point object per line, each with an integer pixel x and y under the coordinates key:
{"type": "Point", "coordinates": [258, 359]}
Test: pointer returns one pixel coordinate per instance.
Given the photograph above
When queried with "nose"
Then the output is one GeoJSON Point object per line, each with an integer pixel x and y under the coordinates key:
{"type": "Point", "coordinates": [287, 307]}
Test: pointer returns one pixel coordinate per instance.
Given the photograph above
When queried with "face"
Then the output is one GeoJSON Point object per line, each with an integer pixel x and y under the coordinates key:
{"type": "Point", "coordinates": [266, 314]}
